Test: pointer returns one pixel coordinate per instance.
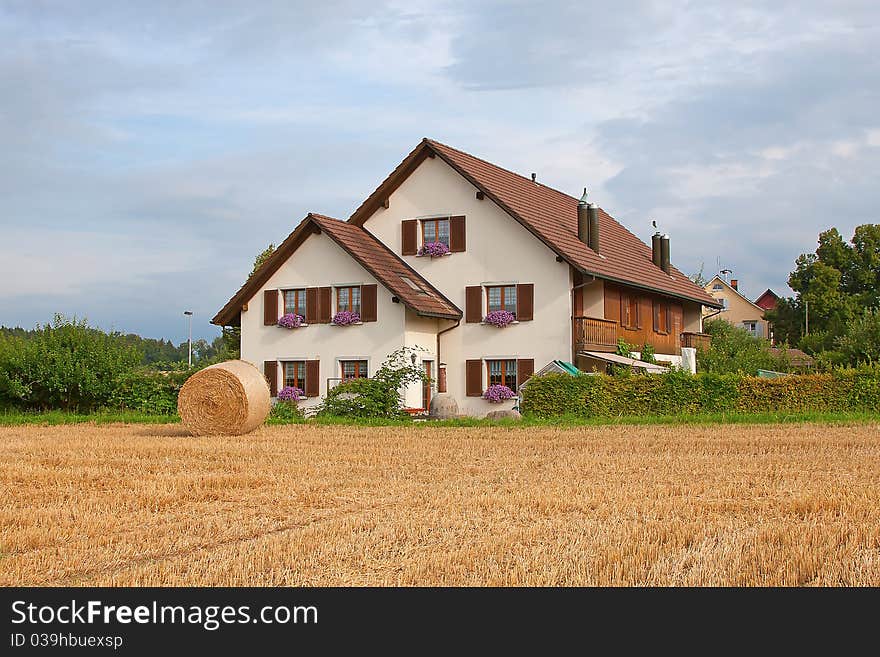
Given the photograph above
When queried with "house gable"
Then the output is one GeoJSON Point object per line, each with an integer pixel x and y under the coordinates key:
{"type": "Point", "coordinates": [550, 216]}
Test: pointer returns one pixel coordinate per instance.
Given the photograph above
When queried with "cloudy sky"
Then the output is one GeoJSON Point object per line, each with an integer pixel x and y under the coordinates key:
{"type": "Point", "coordinates": [149, 151]}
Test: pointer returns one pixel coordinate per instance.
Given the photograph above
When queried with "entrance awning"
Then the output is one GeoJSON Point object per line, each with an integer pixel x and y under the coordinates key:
{"type": "Point", "coordinates": [650, 368]}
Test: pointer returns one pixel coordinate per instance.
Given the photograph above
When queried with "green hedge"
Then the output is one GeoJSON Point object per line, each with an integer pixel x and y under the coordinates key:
{"type": "Point", "coordinates": [148, 391]}
{"type": "Point", "coordinates": [554, 395]}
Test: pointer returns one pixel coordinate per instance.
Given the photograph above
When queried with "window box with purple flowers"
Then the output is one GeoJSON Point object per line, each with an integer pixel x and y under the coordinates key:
{"type": "Point", "coordinates": [290, 394]}
{"type": "Point", "coordinates": [496, 394]}
{"type": "Point", "coordinates": [345, 318]}
{"type": "Point", "coordinates": [500, 318]}
{"type": "Point", "coordinates": [433, 250]}
{"type": "Point", "coordinates": [291, 321]}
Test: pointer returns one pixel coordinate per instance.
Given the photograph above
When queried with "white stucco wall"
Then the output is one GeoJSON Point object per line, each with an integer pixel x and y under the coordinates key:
{"type": "Point", "coordinates": [499, 250]}
{"type": "Point", "coordinates": [319, 261]}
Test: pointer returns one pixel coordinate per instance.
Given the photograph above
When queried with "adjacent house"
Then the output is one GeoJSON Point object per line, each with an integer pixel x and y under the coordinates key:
{"type": "Point", "coordinates": [444, 243]}
{"type": "Point", "coordinates": [767, 300]}
{"type": "Point", "coordinates": [737, 309]}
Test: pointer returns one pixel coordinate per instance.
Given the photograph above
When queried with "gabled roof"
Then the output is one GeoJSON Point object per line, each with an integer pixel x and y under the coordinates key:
{"type": "Point", "coordinates": [767, 300]}
{"type": "Point", "coordinates": [718, 279]}
{"type": "Point", "coordinates": [551, 217]}
{"type": "Point", "coordinates": [370, 253]}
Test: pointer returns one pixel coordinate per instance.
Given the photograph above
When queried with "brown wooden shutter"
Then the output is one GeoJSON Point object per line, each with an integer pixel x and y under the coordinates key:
{"type": "Point", "coordinates": [409, 239]}
{"type": "Point", "coordinates": [313, 378]}
{"type": "Point", "coordinates": [324, 310]}
{"type": "Point", "coordinates": [368, 303]}
{"type": "Point", "coordinates": [457, 239]}
{"type": "Point", "coordinates": [474, 378]}
{"type": "Point", "coordinates": [270, 371]}
{"type": "Point", "coordinates": [441, 379]}
{"type": "Point", "coordinates": [311, 305]}
{"type": "Point", "coordinates": [270, 307]}
{"type": "Point", "coordinates": [578, 307]}
{"type": "Point", "coordinates": [473, 303]}
{"type": "Point", "coordinates": [656, 307]}
{"type": "Point", "coordinates": [525, 302]}
{"type": "Point", "coordinates": [525, 367]}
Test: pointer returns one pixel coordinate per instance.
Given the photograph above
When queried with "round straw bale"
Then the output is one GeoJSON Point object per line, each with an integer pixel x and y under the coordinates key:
{"type": "Point", "coordinates": [229, 398]}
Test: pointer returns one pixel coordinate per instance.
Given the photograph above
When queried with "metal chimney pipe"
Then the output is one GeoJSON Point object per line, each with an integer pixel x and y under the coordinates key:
{"type": "Point", "coordinates": [655, 249]}
{"type": "Point", "coordinates": [583, 219]}
{"type": "Point", "coordinates": [593, 213]}
{"type": "Point", "coordinates": [664, 253]}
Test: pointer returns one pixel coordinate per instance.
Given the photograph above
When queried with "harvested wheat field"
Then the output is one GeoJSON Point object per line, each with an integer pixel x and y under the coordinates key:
{"type": "Point", "coordinates": [312, 505]}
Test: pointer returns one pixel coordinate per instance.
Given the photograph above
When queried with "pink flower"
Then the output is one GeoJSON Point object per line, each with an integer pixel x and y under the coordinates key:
{"type": "Point", "coordinates": [290, 393]}
{"type": "Point", "coordinates": [500, 318]}
{"type": "Point", "coordinates": [497, 393]}
{"type": "Point", "coordinates": [434, 249]}
{"type": "Point", "coordinates": [290, 321]}
{"type": "Point", "coordinates": [345, 317]}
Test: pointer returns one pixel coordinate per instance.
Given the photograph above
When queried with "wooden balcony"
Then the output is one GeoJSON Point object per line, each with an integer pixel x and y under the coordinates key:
{"type": "Point", "coordinates": [698, 340]}
{"type": "Point", "coordinates": [594, 334]}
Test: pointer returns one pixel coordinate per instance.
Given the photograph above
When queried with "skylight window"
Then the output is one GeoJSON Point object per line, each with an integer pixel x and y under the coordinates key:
{"type": "Point", "coordinates": [412, 284]}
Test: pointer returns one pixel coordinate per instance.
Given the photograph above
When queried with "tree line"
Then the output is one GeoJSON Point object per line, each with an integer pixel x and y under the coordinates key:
{"type": "Point", "coordinates": [835, 312]}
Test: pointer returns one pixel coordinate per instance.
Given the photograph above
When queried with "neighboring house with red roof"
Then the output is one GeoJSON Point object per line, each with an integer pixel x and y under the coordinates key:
{"type": "Point", "coordinates": [767, 300]}
{"type": "Point", "coordinates": [573, 278]}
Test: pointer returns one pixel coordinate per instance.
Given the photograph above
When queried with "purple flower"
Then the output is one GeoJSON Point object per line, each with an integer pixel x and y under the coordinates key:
{"type": "Point", "coordinates": [290, 320]}
{"type": "Point", "coordinates": [498, 393]}
{"type": "Point", "coordinates": [499, 318]}
{"type": "Point", "coordinates": [290, 393]}
{"type": "Point", "coordinates": [434, 249]}
{"type": "Point", "coordinates": [345, 317]}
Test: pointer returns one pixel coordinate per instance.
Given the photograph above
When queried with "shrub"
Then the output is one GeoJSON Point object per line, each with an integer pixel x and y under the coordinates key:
{"type": "Point", "coordinates": [286, 412]}
{"type": "Point", "coordinates": [66, 364]}
{"type": "Point", "coordinates": [148, 391]}
{"type": "Point", "coordinates": [379, 396]}
{"type": "Point", "coordinates": [649, 354]}
{"type": "Point", "coordinates": [735, 350]}
{"type": "Point", "coordinates": [677, 392]}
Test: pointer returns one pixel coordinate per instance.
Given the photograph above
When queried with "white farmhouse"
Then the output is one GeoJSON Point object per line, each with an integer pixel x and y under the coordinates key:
{"type": "Point", "coordinates": [573, 278]}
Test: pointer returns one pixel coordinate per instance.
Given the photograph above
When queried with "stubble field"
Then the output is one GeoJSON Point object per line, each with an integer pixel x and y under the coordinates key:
{"type": "Point", "coordinates": [340, 505]}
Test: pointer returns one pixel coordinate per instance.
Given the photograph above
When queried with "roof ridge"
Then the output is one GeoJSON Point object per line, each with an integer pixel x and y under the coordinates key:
{"type": "Point", "coordinates": [497, 166]}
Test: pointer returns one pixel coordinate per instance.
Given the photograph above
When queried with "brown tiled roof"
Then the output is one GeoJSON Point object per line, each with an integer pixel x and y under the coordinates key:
{"type": "Point", "coordinates": [374, 256]}
{"type": "Point", "coordinates": [551, 216]}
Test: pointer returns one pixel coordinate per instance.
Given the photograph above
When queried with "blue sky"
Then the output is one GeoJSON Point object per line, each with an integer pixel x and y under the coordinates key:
{"type": "Point", "coordinates": [150, 151]}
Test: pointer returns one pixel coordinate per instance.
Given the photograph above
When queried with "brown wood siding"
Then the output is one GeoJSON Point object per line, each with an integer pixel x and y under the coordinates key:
{"type": "Point", "coordinates": [525, 302]}
{"type": "Point", "coordinates": [313, 378]}
{"type": "Point", "coordinates": [577, 279]}
{"type": "Point", "coordinates": [368, 303]}
{"type": "Point", "coordinates": [270, 371]}
{"type": "Point", "coordinates": [474, 378]}
{"type": "Point", "coordinates": [473, 304]}
{"type": "Point", "coordinates": [324, 307]}
{"type": "Point", "coordinates": [270, 307]}
{"type": "Point", "coordinates": [457, 239]}
{"type": "Point", "coordinates": [663, 344]}
{"type": "Point", "coordinates": [409, 241]}
{"type": "Point", "coordinates": [525, 367]}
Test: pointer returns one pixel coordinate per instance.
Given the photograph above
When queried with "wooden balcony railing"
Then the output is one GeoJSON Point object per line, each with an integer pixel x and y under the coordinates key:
{"type": "Point", "coordinates": [698, 340]}
{"type": "Point", "coordinates": [595, 334]}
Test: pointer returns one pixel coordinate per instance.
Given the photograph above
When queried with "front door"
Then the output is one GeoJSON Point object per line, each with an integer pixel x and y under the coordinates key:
{"type": "Point", "coordinates": [426, 384]}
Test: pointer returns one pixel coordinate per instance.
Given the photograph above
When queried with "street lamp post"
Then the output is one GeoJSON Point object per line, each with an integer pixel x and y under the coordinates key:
{"type": "Point", "coordinates": [189, 342]}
